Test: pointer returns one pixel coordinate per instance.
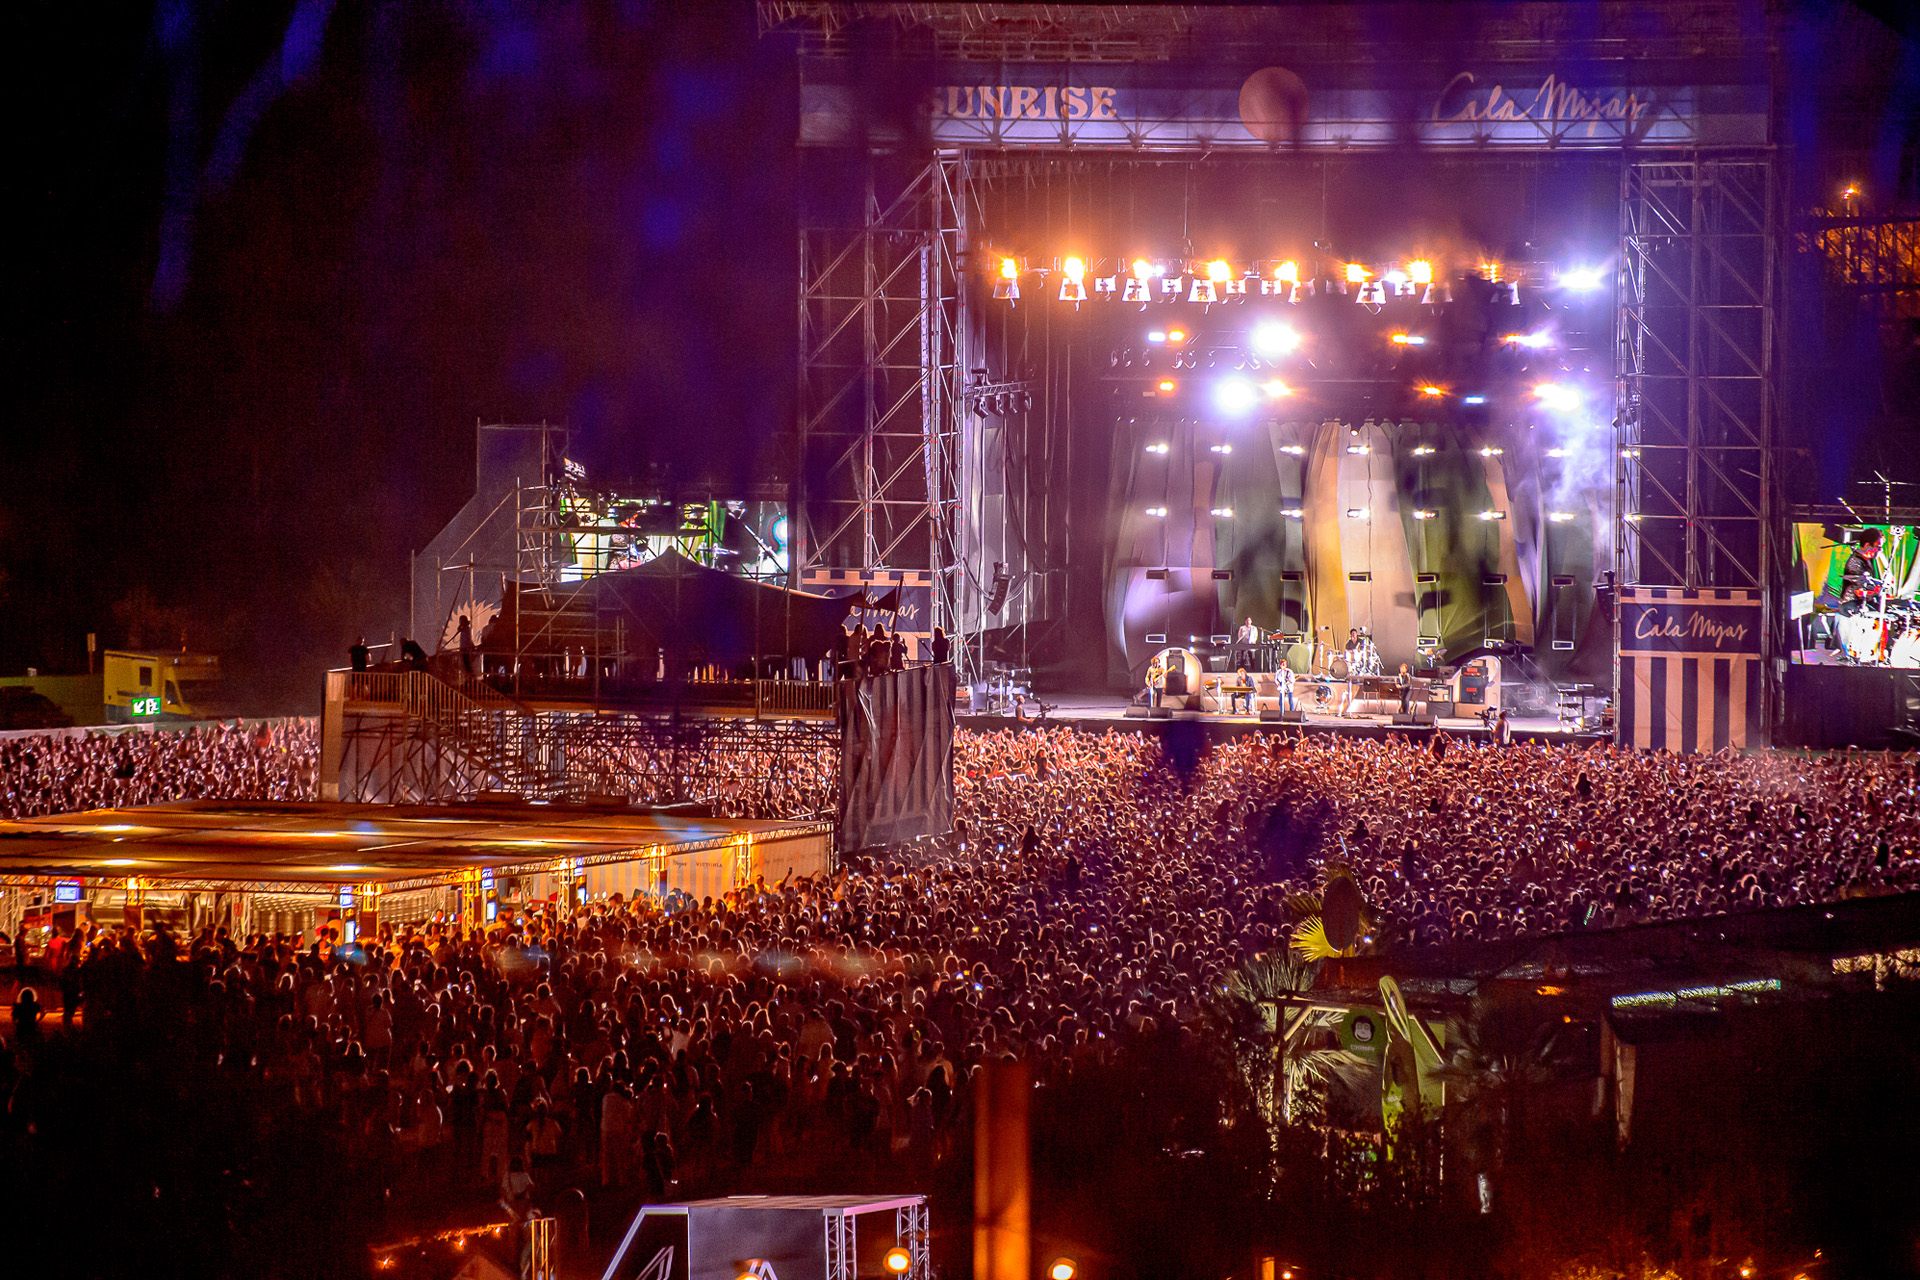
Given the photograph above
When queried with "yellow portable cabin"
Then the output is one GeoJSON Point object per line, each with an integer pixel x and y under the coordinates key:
{"type": "Point", "coordinates": [140, 688]}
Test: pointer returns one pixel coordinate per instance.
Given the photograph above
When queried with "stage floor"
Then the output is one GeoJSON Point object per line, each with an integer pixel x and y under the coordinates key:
{"type": "Point", "coordinates": [1096, 713]}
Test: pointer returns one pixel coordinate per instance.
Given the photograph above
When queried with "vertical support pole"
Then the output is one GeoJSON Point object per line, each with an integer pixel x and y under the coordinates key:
{"type": "Point", "coordinates": [1002, 1245]}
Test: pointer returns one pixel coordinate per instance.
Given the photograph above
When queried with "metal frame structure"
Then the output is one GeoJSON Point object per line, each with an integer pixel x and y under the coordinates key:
{"type": "Point", "coordinates": [1698, 500]}
{"type": "Point", "coordinates": [877, 485]}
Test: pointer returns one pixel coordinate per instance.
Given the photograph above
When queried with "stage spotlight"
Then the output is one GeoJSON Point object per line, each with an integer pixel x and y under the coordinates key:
{"type": "Point", "coordinates": [779, 532]}
{"type": "Point", "coordinates": [1422, 450]}
{"type": "Point", "coordinates": [1532, 341]}
{"type": "Point", "coordinates": [1396, 278]}
{"type": "Point", "coordinates": [1489, 451]}
{"type": "Point", "coordinates": [1156, 335]}
{"type": "Point", "coordinates": [899, 1261]}
{"type": "Point", "coordinates": [1218, 271]}
{"type": "Point", "coordinates": [1137, 290]}
{"type": "Point", "coordinates": [1166, 384]}
{"type": "Point", "coordinates": [1558, 397]}
{"type": "Point", "coordinates": [1176, 335]}
{"type": "Point", "coordinates": [1223, 513]}
{"type": "Point", "coordinates": [1409, 340]}
{"type": "Point", "coordinates": [1142, 270]}
{"type": "Point", "coordinates": [1631, 517]}
{"type": "Point", "coordinates": [1356, 513]}
{"type": "Point", "coordinates": [1491, 270]}
{"type": "Point", "coordinates": [1062, 1269]}
{"type": "Point", "coordinates": [1356, 274]}
{"type": "Point", "coordinates": [1420, 271]}
{"type": "Point", "coordinates": [1162, 447]}
{"type": "Point", "coordinates": [1275, 388]}
{"type": "Point", "coordinates": [1629, 453]}
{"type": "Point", "coordinates": [1222, 448]}
{"type": "Point", "coordinates": [1293, 513]}
{"type": "Point", "coordinates": [1493, 515]}
{"type": "Point", "coordinates": [1235, 395]}
{"type": "Point", "coordinates": [1431, 390]}
{"type": "Point", "coordinates": [1073, 280]}
{"type": "Point", "coordinates": [1473, 400]}
{"type": "Point", "coordinates": [1204, 292]}
{"type": "Point", "coordinates": [1425, 515]}
{"type": "Point", "coordinates": [1272, 338]}
{"type": "Point", "coordinates": [1583, 279]}
{"type": "Point", "coordinates": [1007, 287]}
{"type": "Point", "coordinates": [1075, 269]}
{"type": "Point", "coordinates": [1559, 517]}
{"type": "Point", "coordinates": [1287, 272]}
{"type": "Point", "coordinates": [1361, 450]}
{"type": "Point", "coordinates": [1556, 453]}
{"type": "Point", "coordinates": [1297, 450]}
{"type": "Point", "coordinates": [1158, 513]}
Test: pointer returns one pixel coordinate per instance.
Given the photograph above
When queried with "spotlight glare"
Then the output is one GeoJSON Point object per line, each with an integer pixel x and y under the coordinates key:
{"type": "Point", "coordinates": [1158, 513]}
{"type": "Point", "coordinates": [1142, 269]}
{"type": "Point", "coordinates": [1556, 453]}
{"type": "Point", "coordinates": [1009, 269]}
{"type": "Point", "coordinates": [1356, 513]}
{"type": "Point", "coordinates": [899, 1261]}
{"type": "Point", "coordinates": [1560, 517]}
{"type": "Point", "coordinates": [1274, 339]}
{"type": "Point", "coordinates": [1176, 335]}
{"type": "Point", "coordinates": [1422, 450]}
{"type": "Point", "coordinates": [1162, 447]}
{"type": "Point", "coordinates": [1582, 279]}
{"type": "Point", "coordinates": [1235, 395]}
{"type": "Point", "coordinates": [1287, 272]}
{"type": "Point", "coordinates": [1223, 513]}
{"type": "Point", "coordinates": [1395, 278]}
{"type": "Point", "coordinates": [1473, 400]}
{"type": "Point", "coordinates": [1062, 1269]}
{"type": "Point", "coordinates": [1223, 448]}
{"type": "Point", "coordinates": [1166, 384]}
{"type": "Point", "coordinates": [1420, 271]}
{"type": "Point", "coordinates": [1218, 270]}
{"type": "Point", "coordinates": [1360, 449]}
{"type": "Point", "coordinates": [1493, 515]}
{"type": "Point", "coordinates": [1431, 390]}
{"type": "Point", "coordinates": [1558, 396]}
{"type": "Point", "coordinates": [1409, 340]}
{"type": "Point", "coordinates": [1156, 335]}
{"type": "Point", "coordinates": [1075, 269]}
{"type": "Point", "coordinates": [1292, 513]}
{"type": "Point", "coordinates": [1276, 388]}
{"type": "Point", "coordinates": [1294, 449]}
{"type": "Point", "coordinates": [1489, 451]}
{"type": "Point", "coordinates": [1356, 274]}
{"type": "Point", "coordinates": [1424, 515]}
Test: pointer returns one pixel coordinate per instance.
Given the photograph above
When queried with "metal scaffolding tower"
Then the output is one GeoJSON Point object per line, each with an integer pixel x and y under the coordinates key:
{"type": "Point", "coordinates": [1698, 500]}
{"type": "Point", "coordinates": [878, 475]}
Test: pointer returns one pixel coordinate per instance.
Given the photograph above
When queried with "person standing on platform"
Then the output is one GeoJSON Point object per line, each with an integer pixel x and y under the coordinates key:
{"type": "Point", "coordinates": [1155, 674]}
{"type": "Point", "coordinates": [466, 644]}
{"type": "Point", "coordinates": [1283, 681]}
{"type": "Point", "coordinates": [1503, 729]}
{"type": "Point", "coordinates": [897, 659]}
{"type": "Point", "coordinates": [1403, 680]}
{"type": "Point", "coordinates": [879, 649]}
{"type": "Point", "coordinates": [358, 654]}
{"type": "Point", "coordinates": [1248, 640]}
{"type": "Point", "coordinates": [941, 647]}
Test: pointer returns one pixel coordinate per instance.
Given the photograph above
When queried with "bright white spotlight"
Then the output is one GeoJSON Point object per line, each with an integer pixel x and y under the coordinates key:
{"type": "Point", "coordinates": [1221, 448]}
{"type": "Point", "coordinates": [1420, 271]}
{"type": "Point", "coordinates": [1162, 447]}
{"type": "Point", "coordinates": [1583, 279]}
{"type": "Point", "coordinates": [1235, 395]}
{"type": "Point", "coordinates": [1493, 515]}
{"type": "Point", "coordinates": [1425, 515]}
{"type": "Point", "coordinates": [1409, 340]}
{"type": "Point", "coordinates": [1356, 513]}
{"type": "Point", "coordinates": [780, 532]}
{"type": "Point", "coordinates": [1423, 451]}
{"type": "Point", "coordinates": [1293, 513]}
{"type": "Point", "coordinates": [1557, 396]}
{"type": "Point", "coordinates": [1488, 451]}
{"type": "Point", "coordinates": [1156, 335]}
{"type": "Point", "coordinates": [1271, 338]}
{"type": "Point", "coordinates": [1223, 513]}
{"type": "Point", "coordinates": [1473, 400]}
{"type": "Point", "coordinates": [1531, 341]}
{"type": "Point", "coordinates": [1396, 278]}
{"type": "Point", "coordinates": [1287, 272]}
{"type": "Point", "coordinates": [1275, 388]}
{"type": "Point", "coordinates": [1297, 450]}
{"type": "Point", "coordinates": [1075, 269]}
{"type": "Point", "coordinates": [1361, 449]}
{"type": "Point", "coordinates": [1218, 271]}
{"type": "Point", "coordinates": [1142, 269]}
{"type": "Point", "coordinates": [1556, 453]}
{"type": "Point", "coordinates": [1560, 517]}
{"type": "Point", "coordinates": [1158, 513]}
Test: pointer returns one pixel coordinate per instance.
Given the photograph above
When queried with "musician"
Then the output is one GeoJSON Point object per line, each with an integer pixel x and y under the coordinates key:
{"type": "Point", "coordinates": [1247, 638]}
{"type": "Point", "coordinates": [1860, 581]}
{"type": "Point", "coordinates": [1240, 691]}
{"type": "Point", "coordinates": [1404, 682]}
{"type": "Point", "coordinates": [1283, 680]}
{"type": "Point", "coordinates": [1155, 674]}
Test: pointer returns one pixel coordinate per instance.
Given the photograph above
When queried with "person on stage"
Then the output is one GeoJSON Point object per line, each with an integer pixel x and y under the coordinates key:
{"type": "Point", "coordinates": [1353, 672]}
{"type": "Point", "coordinates": [1283, 680]}
{"type": "Point", "coordinates": [1860, 582]}
{"type": "Point", "coordinates": [1247, 639]}
{"type": "Point", "coordinates": [1155, 674]}
{"type": "Point", "coordinates": [1241, 692]}
{"type": "Point", "coordinates": [1404, 681]}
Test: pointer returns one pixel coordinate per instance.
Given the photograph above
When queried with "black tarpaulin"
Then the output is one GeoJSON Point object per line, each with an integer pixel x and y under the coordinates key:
{"type": "Point", "coordinates": [896, 756]}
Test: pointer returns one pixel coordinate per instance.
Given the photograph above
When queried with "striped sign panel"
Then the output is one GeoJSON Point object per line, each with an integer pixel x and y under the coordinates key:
{"type": "Point", "coordinates": [1689, 677]}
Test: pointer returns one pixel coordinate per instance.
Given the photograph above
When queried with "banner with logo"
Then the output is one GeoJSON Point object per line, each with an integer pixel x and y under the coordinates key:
{"type": "Point", "coordinates": [1690, 677]}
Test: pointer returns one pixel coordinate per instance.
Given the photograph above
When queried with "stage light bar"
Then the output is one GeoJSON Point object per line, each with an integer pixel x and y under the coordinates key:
{"type": "Point", "coordinates": [1158, 513]}
{"type": "Point", "coordinates": [1473, 400]}
{"type": "Point", "coordinates": [1556, 453]}
{"type": "Point", "coordinates": [1489, 451]}
{"type": "Point", "coordinates": [1287, 272]}
{"type": "Point", "coordinates": [1420, 271]}
{"type": "Point", "coordinates": [1292, 513]}
{"type": "Point", "coordinates": [1296, 450]}
{"type": "Point", "coordinates": [1632, 517]}
{"type": "Point", "coordinates": [1162, 447]}
{"type": "Point", "coordinates": [1583, 279]}
{"type": "Point", "coordinates": [1218, 271]}
{"type": "Point", "coordinates": [1531, 341]}
{"type": "Point", "coordinates": [1356, 513]}
{"type": "Point", "coordinates": [1275, 388]}
{"type": "Point", "coordinates": [1223, 513]}
{"type": "Point", "coordinates": [1361, 449]}
{"type": "Point", "coordinates": [1629, 453]}
{"type": "Point", "coordinates": [1222, 448]}
{"type": "Point", "coordinates": [1425, 515]}
{"type": "Point", "coordinates": [1073, 280]}
{"type": "Point", "coordinates": [1557, 396]}
{"type": "Point", "coordinates": [1356, 274]}
{"type": "Point", "coordinates": [1422, 450]}
{"type": "Point", "coordinates": [1396, 278]}
{"type": "Point", "coordinates": [1559, 517]}
{"type": "Point", "coordinates": [1235, 395]}
{"type": "Point", "coordinates": [1492, 515]}
{"type": "Point", "coordinates": [1409, 340]}
{"type": "Point", "coordinates": [1274, 339]}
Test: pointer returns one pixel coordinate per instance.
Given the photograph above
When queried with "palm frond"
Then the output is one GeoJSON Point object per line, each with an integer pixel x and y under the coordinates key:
{"type": "Point", "coordinates": [1310, 941]}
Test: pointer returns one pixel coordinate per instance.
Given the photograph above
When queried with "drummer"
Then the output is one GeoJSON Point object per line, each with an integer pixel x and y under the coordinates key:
{"type": "Point", "coordinates": [1355, 647]}
{"type": "Point", "coordinates": [1860, 584]}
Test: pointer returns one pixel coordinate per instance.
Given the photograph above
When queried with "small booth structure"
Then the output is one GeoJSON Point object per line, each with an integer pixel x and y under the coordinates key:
{"type": "Point", "coordinates": [291, 867]}
{"type": "Point", "coordinates": [775, 1238]}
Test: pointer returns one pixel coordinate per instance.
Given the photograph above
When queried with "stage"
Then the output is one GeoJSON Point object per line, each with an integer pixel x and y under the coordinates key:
{"type": "Point", "coordinates": [1099, 713]}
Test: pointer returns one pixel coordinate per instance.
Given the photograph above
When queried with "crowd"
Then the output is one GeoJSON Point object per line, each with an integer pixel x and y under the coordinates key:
{"type": "Point", "coordinates": [1093, 896]}
{"type": "Point", "coordinates": [66, 773]}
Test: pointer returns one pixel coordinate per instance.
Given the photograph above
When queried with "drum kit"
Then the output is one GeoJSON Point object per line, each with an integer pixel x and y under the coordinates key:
{"type": "Point", "coordinates": [1887, 635]}
{"type": "Point", "coordinates": [1347, 664]}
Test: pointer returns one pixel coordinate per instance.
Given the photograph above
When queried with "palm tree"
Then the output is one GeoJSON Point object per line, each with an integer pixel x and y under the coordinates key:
{"type": "Point", "coordinates": [1507, 1048]}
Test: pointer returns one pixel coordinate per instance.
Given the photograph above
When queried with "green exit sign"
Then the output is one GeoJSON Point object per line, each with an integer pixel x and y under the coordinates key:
{"type": "Point", "coordinates": [146, 706]}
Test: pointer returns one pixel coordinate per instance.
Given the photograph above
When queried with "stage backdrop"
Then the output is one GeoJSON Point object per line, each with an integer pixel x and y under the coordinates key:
{"type": "Point", "coordinates": [1690, 669]}
{"type": "Point", "coordinates": [896, 756]}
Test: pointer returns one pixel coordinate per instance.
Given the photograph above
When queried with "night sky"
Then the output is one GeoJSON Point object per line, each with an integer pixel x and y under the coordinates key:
{"type": "Point", "coordinates": [271, 261]}
{"type": "Point", "coordinates": [277, 258]}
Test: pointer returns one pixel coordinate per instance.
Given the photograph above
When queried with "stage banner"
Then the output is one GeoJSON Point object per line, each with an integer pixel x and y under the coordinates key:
{"type": "Point", "coordinates": [1689, 669]}
{"type": "Point", "coordinates": [1182, 108]}
{"type": "Point", "coordinates": [896, 756]}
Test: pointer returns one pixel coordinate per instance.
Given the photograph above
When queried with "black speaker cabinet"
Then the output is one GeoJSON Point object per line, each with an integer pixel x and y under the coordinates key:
{"type": "Point", "coordinates": [1403, 717]}
{"type": "Point", "coordinates": [1159, 713]}
{"type": "Point", "coordinates": [1295, 716]}
{"type": "Point", "coordinates": [1270, 715]}
{"type": "Point", "coordinates": [1438, 709]}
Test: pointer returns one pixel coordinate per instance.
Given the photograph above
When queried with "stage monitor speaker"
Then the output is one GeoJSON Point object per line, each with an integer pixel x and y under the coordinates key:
{"type": "Point", "coordinates": [1269, 715]}
{"type": "Point", "coordinates": [1423, 719]}
{"type": "Point", "coordinates": [1439, 709]}
{"type": "Point", "coordinates": [1295, 716]}
{"type": "Point", "coordinates": [1159, 713]}
{"type": "Point", "coordinates": [1403, 717]}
